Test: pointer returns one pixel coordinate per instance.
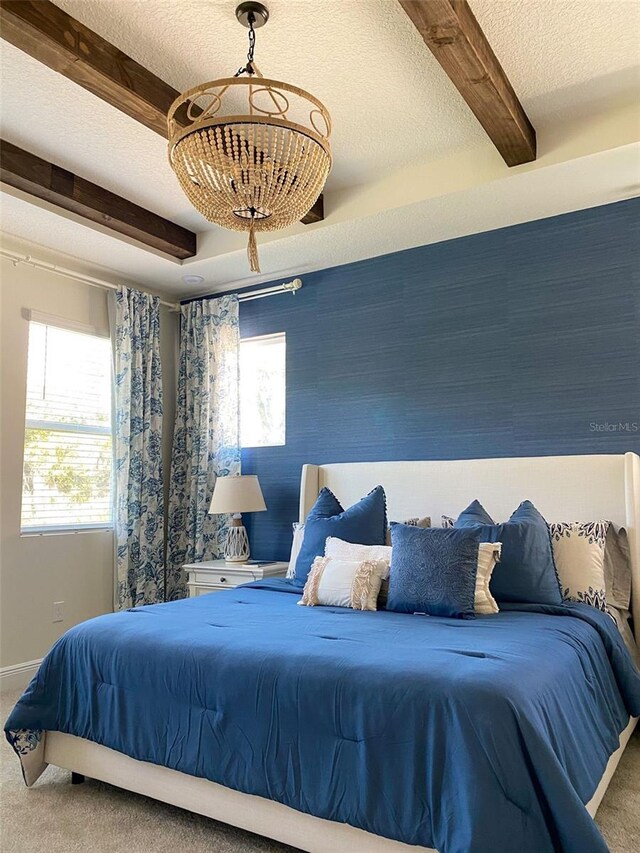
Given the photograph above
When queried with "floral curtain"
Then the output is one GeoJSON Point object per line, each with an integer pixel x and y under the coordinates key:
{"type": "Point", "coordinates": [206, 441]}
{"type": "Point", "coordinates": [139, 495]}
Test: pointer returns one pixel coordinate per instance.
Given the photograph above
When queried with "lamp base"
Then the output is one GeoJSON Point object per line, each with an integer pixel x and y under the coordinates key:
{"type": "Point", "coordinates": [236, 549]}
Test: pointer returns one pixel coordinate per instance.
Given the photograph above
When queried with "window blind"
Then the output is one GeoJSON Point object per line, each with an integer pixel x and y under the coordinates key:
{"type": "Point", "coordinates": [67, 476]}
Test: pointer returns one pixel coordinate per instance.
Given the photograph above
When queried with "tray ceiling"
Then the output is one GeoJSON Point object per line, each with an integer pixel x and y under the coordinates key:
{"type": "Point", "coordinates": [573, 64]}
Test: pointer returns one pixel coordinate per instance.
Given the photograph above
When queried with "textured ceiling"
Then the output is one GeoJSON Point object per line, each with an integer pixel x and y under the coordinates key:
{"type": "Point", "coordinates": [392, 105]}
{"type": "Point", "coordinates": [363, 59]}
{"type": "Point", "coordinates": [546, 46]}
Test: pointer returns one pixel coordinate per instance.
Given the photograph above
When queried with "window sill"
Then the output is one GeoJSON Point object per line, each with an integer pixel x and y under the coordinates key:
{"type": "Point", "coordinates": [260, 446]}
{"type": "Point", "coordinates": [62, 530]}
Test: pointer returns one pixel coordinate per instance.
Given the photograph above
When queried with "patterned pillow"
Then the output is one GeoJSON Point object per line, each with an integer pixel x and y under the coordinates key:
{"type": "Point", "coordinates": [447, 522]}
{"type": "Point", "coordinates": [344, 583]}
{"type": "Point", "coordinates": [412, 522]}
{"type": "Point", "coordinates": [433, 571]}
{"type": "Point", "coordinates": [578, 549]}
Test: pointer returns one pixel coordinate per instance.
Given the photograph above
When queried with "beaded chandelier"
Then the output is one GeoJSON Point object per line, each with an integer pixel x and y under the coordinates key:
{"type": "Point", "coordinates": [251, 154]}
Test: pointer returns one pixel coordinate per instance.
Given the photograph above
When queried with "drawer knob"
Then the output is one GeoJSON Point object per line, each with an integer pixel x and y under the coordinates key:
{"type": "Point", "coordinates": [223, 580]}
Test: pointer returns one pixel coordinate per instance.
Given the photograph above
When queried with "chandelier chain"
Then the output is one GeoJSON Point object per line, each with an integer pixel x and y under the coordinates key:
{"type": "Point", "coordinates": [249, 67]}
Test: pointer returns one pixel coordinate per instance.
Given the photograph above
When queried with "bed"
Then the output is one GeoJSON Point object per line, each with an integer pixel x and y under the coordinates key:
{"type": "Point", "coordinates": [313, 730]}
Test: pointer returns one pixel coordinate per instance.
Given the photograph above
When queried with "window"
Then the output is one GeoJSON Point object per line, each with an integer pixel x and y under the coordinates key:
{"type": "Point", "coordinates": [66, 481]}
{"type": "Point", "coordinates": [262, 390]}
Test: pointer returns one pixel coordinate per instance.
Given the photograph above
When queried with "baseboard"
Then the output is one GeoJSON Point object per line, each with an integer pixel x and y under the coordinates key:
{"type": "Point", "coordinates": [17, 677]}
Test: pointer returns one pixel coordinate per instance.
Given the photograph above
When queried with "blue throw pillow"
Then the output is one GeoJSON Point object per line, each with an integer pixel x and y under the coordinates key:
{"type": "Point", "coordinates": [526, 572]}
{"type": "Point", "coordinates": [475, 513]}
{"type": "Point", "coordinates": [433, 570]}
{"type": "Point", "coordinates": [365, 523]}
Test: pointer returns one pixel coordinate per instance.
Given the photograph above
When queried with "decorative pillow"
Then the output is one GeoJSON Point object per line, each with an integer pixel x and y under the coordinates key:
{"type": "Point", "coordinates": [412, 522]}
{"type": "Point", "coordinates": [365, 522]}
{"type": "Point", "coordinates": [617, 568]}
{"type": "Point", "coordinates": [475, 513]}
{"type": "Point", "coordinates": [488, 555]}
{"type": "Point", "coordinates": [447, 522]}
{"type": "Point", "coordinates": [526, 572]}
{"type": "Point", "coordinates": [578, 549]}
{"type": "Point", "coordinates": [433, 571]}
{"type": "Point", "coordinates": [340, 550]}
{"type": "Point", "coordinates": [622, 618]}
{"type": "Point", "coordinates": [344, 583]}
{"type": "Point", "coordinates": [418, 522]}
{"type": "Point", "coordinates": [298, 536]}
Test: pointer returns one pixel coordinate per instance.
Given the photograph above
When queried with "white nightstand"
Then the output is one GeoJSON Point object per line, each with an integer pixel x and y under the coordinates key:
{"type": "Point", "coordinates": [214, 575]}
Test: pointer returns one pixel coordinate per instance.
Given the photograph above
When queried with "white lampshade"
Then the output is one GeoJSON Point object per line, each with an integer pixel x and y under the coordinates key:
{"type": "Point", "coordinates": [237, 494]}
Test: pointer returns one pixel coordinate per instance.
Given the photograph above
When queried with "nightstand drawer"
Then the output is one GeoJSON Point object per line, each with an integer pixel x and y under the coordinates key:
{"type": "Point", "coordinates": [221, 578]}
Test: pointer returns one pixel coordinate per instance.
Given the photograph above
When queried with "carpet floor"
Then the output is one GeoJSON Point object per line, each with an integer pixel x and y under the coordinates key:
{"type": "Point", "coordinates": [54, 817]}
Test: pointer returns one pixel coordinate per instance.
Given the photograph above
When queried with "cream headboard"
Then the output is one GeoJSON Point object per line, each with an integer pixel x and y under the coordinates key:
{"type": "Point", "coordinates": [564, 488]}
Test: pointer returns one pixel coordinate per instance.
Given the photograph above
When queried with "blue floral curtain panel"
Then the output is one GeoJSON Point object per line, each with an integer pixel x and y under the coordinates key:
{"type": "Point", "coordinates": [139, 494]}
{"type": "Point", "coordinates": [206, 441]}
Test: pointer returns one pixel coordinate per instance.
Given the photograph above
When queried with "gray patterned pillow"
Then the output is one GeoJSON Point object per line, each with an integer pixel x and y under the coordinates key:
{"type": "Point", "coordinates": [412, 522]}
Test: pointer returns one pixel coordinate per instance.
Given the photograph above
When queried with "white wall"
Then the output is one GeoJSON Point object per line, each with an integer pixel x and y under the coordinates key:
{"type": "Point", "coordinates": [35, 571]}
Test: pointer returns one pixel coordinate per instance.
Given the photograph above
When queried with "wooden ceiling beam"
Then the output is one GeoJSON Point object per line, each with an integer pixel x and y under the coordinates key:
{"type": "Point", "coordinates": [44, 180]}
{"type": "Point", "coordinates": [455, 38]}
{"type": "Point", "coordinates": [316, 214]}
{"type": "Point", "coordinates": [50, 35]}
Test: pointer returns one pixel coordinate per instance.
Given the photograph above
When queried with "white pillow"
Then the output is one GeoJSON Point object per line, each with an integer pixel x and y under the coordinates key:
{"type": "Point", "coordinates": [578, 551]}
{"type": "Point", "coordinates": [341, 550]}
{"type": "Point", "coordinates": [298, 536]}
{"type": "Point", "coordinates": [488, 556]}
{"type": "Point", "coordinates": [344, 583]}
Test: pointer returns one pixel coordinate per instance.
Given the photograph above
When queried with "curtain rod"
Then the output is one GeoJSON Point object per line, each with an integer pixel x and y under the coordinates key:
{"type": "Point", "coordinates": [29, 260]}
{"type": "Point", "coordinates": [286, 287]}
{"type": "Point", "coordinates": [17, 259]}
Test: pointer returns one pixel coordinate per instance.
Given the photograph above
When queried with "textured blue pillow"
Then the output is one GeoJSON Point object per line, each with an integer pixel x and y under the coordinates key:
{"type": "Point", "coordinates": [433, 570]}
{"type": "Point", "coordinates": [364, 523]}
{"type": "Point", "coordinates": [526, 572]}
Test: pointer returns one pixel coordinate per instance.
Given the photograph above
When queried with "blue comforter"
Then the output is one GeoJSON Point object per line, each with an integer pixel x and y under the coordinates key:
{"type": "Point", "coordinates": [470, 736]}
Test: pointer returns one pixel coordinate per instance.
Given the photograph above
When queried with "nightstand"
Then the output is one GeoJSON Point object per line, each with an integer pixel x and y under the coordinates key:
{"type": "Point", "coordinates": [214, 575]}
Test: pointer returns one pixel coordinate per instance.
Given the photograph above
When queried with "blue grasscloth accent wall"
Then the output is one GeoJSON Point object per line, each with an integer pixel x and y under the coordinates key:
{"type": "Point", "coordinates": [509, 343]}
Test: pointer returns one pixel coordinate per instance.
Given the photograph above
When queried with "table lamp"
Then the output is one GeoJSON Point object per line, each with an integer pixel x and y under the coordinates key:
{"type": "Point", "coordinates": [236, 495]}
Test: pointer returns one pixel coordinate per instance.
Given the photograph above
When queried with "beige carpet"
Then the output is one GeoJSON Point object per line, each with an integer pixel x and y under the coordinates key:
{"type": "Point", "coordinates": [55, 817]}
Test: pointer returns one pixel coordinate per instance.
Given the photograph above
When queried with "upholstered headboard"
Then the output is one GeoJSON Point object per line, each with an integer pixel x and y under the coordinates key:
{"type": "Point", "coordinates": [564, 488]}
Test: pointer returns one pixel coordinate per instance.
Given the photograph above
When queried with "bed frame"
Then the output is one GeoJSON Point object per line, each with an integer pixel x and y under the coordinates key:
{"type": "Point", "coordinates": [564, 488]}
